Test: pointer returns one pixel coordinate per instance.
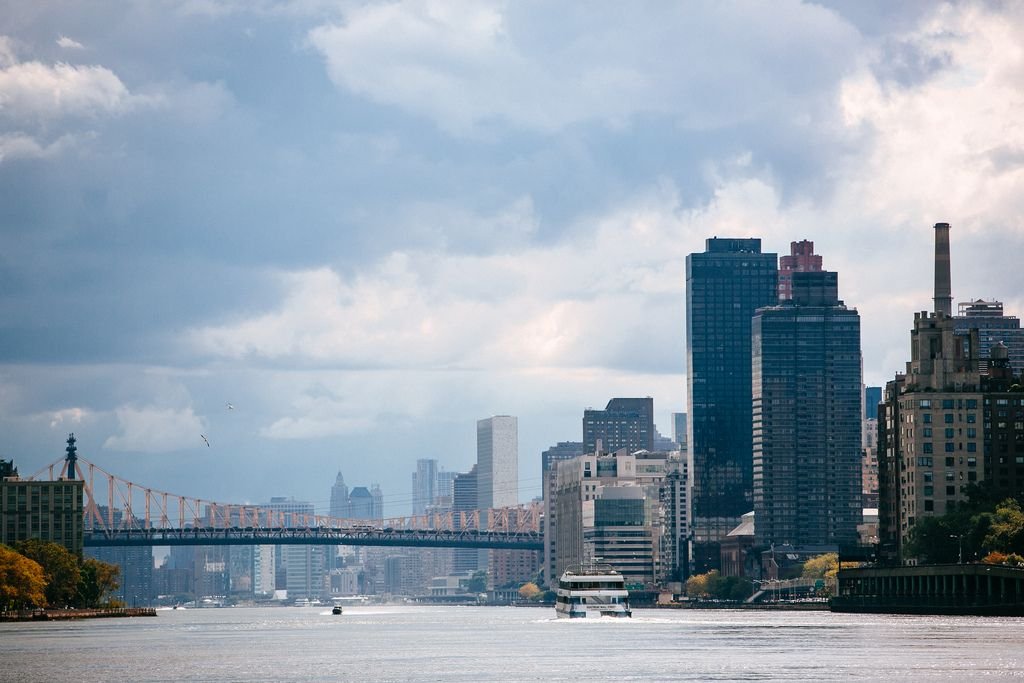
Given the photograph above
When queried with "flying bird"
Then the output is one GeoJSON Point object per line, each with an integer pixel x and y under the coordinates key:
{"type": "Point", "coordinates": [206, 440]}
{"type": "Point", "coordinates": [230, 407]}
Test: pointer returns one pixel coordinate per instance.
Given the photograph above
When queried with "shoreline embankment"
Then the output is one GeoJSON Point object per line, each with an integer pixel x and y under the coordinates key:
{"type": "Point", "coordinates": [67, 614]}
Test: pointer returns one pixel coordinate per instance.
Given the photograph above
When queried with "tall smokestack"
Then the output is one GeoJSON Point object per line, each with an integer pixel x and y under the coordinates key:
{"type": "Point", "coordinates": [943, 290]}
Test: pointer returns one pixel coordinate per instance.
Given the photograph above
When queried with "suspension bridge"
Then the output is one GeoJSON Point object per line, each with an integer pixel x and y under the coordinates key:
{"type": "Point", "coordinates": [118, 512]}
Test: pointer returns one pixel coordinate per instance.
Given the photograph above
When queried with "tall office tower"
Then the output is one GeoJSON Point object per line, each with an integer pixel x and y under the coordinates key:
{"type": "Point", "coordinates": [339, 498]}
{"type": "Point", "coordinates": [304, 567]}
{"type": "Point", "coordinates": [136, 579]}
{"type": "Point", "coordinates": [675, 497]}
{"type": "Point", "coordinates": [624, 423]}
{"type": "Point", "coordinates": [360, 503]}
{"type": "Point", "coordinates": [930, 442]}
{"type": "Point", "coordinates": [1004, 426]}
{"type": "Point", "coordinates": [549, 459]}
{"type": "Point", "coordinates": [724, 286]}
{"type": "Point", "coordinates": [464, 503]}
{"type": "Point", "coordinates": [872, 397]}
{"type": "Point", "coordinates": [424, 485]}
{"type": "Point", "coordinates": [263, 574]}
{"type": "Point", "coordinates": [807, 417]}
{"type": "Point", "coordinates": [497, 459]}
{"type": "Point", "coordinates": [445, 492]}
{"type": "Point", "coordinates": [679, 430]}
{"type": "Point", "coordinates": [306, 571]}
{"type": "Point", "coordinates": [801, 259]}
{"type": "Point", "coordinates": [993, 327]}
{"type": "Point", "coordinates": [869, 469]}
{"type": "Point", "coordinates": [376, 502]}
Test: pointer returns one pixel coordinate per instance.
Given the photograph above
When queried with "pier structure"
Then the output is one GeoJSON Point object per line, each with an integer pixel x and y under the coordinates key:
{"type": "Point", "coordinates": [983, 589]}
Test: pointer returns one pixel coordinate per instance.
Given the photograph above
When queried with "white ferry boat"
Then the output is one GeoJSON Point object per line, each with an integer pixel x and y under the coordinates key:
{"type": "Point", "coordinates": [592, 590]}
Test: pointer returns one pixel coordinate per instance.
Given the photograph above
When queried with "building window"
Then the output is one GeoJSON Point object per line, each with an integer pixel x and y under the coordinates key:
{"type": "Point", "coordinates": [947, 403]}
{"type": "Point", "coordinates": [972, 403]}
{"type": "Point", "coordinates": [926, 432]}
{"type": "Point", "coordinates": [927, 418]}
{"type": "Point", "coordinates": [971, 418]}
{"type": "Point", "coordinates": [926, 447]}
{"type": "Point", "coordinates": [924, 403]}
{"type": "Point", "coordinates": [948, 419]}
{"type": "Point", "coordinates": [949, 447]}
{"type": "Point", "coordinates": [972, 448]}
{"type": "Point", "coordinates": [950, 491]}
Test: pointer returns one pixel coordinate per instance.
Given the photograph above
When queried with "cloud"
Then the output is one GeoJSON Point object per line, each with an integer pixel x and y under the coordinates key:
{"type": "Point", "coordinates": [544, 67]}
{"type": "Point", "coordinates": [69, 44]}
{"type": "Point", "coordinates": [518, 306]}
{"type": "Point", "coordinates": [37, 91]}
{"type": "Point", "coordinates": [154, 429]}
{"type": "Point", "coordinates": [944, 149]}
{"type": "Point", "coordinates": [21, 146]}
{"type": "Point", "coordinates": [73, 416]}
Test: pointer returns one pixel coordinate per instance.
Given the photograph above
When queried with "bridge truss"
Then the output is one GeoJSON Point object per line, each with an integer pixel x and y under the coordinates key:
{"type": "Point", "coordinates": [119, 512]}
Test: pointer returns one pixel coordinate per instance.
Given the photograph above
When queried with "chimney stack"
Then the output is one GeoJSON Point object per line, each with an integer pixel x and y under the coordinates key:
{"type": "Point", "coordinates": [943, 290]}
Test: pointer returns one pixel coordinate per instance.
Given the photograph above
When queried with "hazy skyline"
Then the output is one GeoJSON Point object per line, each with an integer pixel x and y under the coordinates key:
{"type": "Point", "coordinates": [368, 225]}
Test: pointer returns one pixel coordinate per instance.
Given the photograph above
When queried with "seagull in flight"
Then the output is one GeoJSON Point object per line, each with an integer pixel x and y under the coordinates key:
{"type": "Point", "coordinates": [206, 440]}
{"type": "Point", "coordinates": [230, 407]}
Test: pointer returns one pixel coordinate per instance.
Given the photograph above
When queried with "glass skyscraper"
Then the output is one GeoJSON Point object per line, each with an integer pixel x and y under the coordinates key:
{"type": "Point", "coordinates": [807, 417]}
{"type": "Point", "coordinates": [724, 286]}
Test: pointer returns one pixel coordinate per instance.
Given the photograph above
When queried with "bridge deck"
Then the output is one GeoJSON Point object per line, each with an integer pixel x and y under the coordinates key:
{"type": "Point", "coordinates": [424, 538]}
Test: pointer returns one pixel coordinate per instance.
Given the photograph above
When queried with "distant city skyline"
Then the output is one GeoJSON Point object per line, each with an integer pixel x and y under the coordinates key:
{"type": "Point", "coordinates": [244, 222]}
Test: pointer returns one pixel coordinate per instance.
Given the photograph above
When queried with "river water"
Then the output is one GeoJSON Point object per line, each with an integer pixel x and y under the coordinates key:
{"type": "Point", "coordinates": [510, 644]}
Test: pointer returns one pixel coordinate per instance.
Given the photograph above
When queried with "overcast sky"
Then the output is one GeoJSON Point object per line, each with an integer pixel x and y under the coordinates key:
{"type": "Point", "coordinates": [366, 225]}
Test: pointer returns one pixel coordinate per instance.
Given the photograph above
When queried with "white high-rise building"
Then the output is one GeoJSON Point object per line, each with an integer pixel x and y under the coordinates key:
{"type": "Point", "coordinates": [497, 458]}
{"type": "Point", "coordinates": [424, 485]}
{"type": "Point", "coordinates": [263, 573]}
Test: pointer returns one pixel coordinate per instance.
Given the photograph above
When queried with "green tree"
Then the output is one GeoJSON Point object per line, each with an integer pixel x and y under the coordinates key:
{"type": "Point", "coordinates": [734, 588]}
{"type": "Point", "coordinates": [97, 582]}
{"type": "Point", "coordinates": [478, 582]}
{"type": "Point", "coordinates": [22, 583]}
{"type": "Point", "coordinates": [1006, 531]}
{"type": "Point", "coordinates": [703, 585]}
{"type": "Point", "coordinates": [60, 569]}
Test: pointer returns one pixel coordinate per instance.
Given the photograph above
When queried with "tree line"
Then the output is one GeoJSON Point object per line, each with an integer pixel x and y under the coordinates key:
{"type": "Point", "coordinates": [36, 574]}
{"type": "Point", "coordinates": [982, 529]}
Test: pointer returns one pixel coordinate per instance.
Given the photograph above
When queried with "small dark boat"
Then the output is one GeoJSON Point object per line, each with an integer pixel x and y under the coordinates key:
{"type": "Point", "coordinates": [336, 609]}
